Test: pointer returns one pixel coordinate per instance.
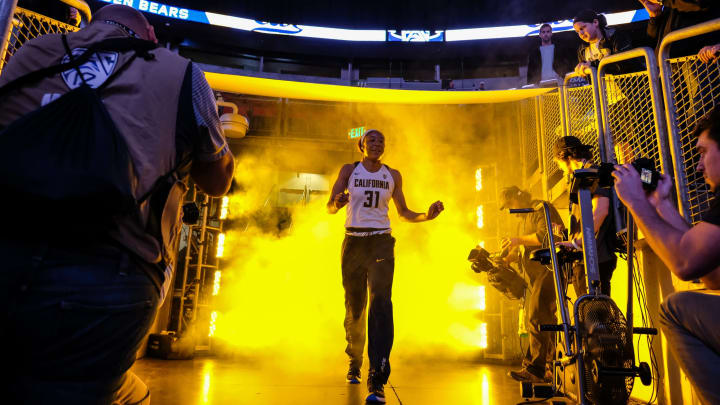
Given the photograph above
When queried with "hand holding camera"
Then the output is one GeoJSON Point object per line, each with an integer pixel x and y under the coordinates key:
{"type": "Point", "coordinates": [634, 184]}
{"type": "Point", "coordinates": [662, 192]}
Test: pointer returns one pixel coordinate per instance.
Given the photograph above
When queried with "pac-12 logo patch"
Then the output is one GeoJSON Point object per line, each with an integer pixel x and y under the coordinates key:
{"type": "Point", "coordinates": [95, 71]}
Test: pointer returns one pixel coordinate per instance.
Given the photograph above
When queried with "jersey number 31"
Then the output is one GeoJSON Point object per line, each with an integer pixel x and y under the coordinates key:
{"type": "Point", "coordinates": [369, 202]}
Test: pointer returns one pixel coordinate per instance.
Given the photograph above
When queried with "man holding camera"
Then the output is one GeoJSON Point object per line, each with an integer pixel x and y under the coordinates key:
{"type": "Point", "coordinates": [690, 319]}
{"type": "Point", "coordinates": [540, 303]}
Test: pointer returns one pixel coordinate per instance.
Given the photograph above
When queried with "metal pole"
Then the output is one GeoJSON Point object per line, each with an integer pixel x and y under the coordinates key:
{"type": "Point", "coordinates": [558, 282]}
{"type": "Point", "coordinates": [201, 252]}
{"type": "Point", "coordinates": [631, 285]}
{"type": "Point", "coordinates": [541, 148]}
{"type": "Point", "coordinates": [566, 104]}
{"type": "Point", "coordinates": [82, 7]}
{"type": "Point", "coordinates": [590, 258]}
{"type": "Point", "coordinates": [562, 110]}
{"type": "Point", "coordinates": [605, 154]}
{"type": "Point", "coordinates": [186, 268]}
{"type": "Point", "coordinates": [7, 11]}
{"type": "Point", "coordinates": [606, 134]}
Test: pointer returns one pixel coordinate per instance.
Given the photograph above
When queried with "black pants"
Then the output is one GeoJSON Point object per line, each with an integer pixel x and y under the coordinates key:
{"type": "Point", "coordinates": [606, 270]}
{"type": "Point", "coordinates": [541, 307]}
{"type": "Point", "coordinates": [72, 321]}
{"type": "Point", "coordinates": [369, 262]}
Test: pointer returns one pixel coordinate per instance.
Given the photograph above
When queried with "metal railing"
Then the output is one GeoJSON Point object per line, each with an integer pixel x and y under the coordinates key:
{"type": "Point", "coordinates": [528, 136]}
{"type": "Point", "coordinates": [26, 25]}
{"type": "Point", "coordinates": [551, 129]}
{"type": "Point", "coordinates": [632, 111]}
{"type": "Point", "coordinates": [691, 89]}
{"type": "Point", "coordinates": [583, 111]}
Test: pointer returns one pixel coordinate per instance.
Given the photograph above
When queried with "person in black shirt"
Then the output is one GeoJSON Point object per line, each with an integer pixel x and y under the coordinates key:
{"type": "Point", "coordinates": [690, 319]}
{"type": "Point", "coordinates": [540, 304]}
{"type": "Point", "coordinates": [549, 61]}
{"type": "Point", "coordinates": [671, 15]}
{"type": "Point", "coordinates": [600, 41]}
{"type": "Point", "coordinates": [571, 154]}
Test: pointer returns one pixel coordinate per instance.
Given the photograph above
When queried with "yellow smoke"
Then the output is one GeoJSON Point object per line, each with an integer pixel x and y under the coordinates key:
{"type": "Point", "coordinates": [282, 296]}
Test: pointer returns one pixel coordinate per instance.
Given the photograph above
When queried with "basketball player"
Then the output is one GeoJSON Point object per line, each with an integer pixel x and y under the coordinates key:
{"type": "Point", "coordinates": [368, 258]}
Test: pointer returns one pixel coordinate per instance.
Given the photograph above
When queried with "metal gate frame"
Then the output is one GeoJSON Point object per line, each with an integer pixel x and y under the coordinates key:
{"type": "Point", "coordinates": [671, 113]}
{"type": "Point", "coordinates": [653, 88]}
{"type": "Point", "coordinates": [597, 113]}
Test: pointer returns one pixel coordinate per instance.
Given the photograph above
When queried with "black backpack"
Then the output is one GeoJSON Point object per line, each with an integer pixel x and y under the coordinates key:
{"type": "Point", "coordinates": [66, 162]}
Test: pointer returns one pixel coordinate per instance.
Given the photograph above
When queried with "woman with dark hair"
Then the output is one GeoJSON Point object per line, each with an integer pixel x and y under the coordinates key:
{"type": "Point", "coordinates": [600, 39]}
{"type": "Point", "coordinates": [368, 259]}
{"type": "Point", "coordinates": [571, 154]}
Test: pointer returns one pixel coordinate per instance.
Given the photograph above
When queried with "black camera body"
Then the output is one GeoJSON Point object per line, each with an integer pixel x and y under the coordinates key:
{"type": "Point", "coordinates": [644, 166]}
{"type": "Point", "coordinates": [501, 277]}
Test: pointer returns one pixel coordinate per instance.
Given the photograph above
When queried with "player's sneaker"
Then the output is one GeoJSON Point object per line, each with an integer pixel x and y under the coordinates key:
{"type": "Point", "coordinates": [353, 376]}
{"type": "Point", "coordinates": [377, 392]}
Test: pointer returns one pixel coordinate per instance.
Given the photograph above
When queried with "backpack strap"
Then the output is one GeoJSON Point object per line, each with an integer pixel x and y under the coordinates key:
{"type": "Point", "coordinates": [68, 51]}
{"type": "Point", "coordinates": [355, 164]}
{"type": "Point", "coordinates": [140, 46]}
{"type": "Point", "coordinates": [162, 179]}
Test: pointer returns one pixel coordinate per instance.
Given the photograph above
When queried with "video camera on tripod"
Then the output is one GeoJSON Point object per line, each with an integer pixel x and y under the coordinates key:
{"type": "Point", "coordinates": [502, 277]}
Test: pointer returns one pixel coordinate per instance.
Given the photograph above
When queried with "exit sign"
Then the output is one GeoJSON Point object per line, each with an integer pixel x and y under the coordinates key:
{"type": "Point", "coordinates": [355, 133]}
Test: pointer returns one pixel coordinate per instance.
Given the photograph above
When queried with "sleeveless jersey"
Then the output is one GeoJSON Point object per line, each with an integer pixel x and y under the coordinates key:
{"type": "Point", "coordinates": [370, 195]}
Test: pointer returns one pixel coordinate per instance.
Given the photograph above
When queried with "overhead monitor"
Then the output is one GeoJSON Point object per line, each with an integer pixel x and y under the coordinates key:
{"type": "Point", "coordinates": [371, 35]}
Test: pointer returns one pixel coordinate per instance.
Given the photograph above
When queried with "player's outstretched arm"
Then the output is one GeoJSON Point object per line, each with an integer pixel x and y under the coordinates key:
{"type": "Point", "coordinates": [404, 212]}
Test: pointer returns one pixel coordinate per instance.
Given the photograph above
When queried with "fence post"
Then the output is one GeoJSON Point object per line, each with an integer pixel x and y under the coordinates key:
{"type": "Point", "coordinates": [561, 110]}
{"type": "Point", "coordinates": [597, 109]}
{"type": "Point", "coordinates": [541, 147]}
{"type": "Point", "coordinates": [605, 154]}
{"type": "Point", "coordinates": [7, 12]}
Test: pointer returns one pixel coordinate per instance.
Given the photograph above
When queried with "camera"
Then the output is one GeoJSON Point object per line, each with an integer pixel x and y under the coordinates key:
{"type": "Point", "coordinates": [644, 166]}
{"type": "Point", "coordinates": [481, 260]}
{"type": "Point", "coordinates": [501, 277]}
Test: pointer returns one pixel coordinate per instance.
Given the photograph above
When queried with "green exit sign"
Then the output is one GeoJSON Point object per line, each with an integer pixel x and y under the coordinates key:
{"type": "Point", "coordinates": [355, 133]}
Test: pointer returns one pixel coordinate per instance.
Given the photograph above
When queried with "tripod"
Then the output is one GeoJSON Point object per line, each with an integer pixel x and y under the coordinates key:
{"type": "Point", "coordinates": [595, 364]}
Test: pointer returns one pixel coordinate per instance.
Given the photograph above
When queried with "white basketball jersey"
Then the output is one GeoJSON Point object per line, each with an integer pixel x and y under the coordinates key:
{"type": "Point", "coordinates": [370, 195]}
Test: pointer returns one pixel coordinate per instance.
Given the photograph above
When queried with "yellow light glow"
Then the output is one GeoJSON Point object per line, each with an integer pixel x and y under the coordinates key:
{"type": "Point", "coordinates": [216, 283]}
{"type": "Point", "coordinates": [206, 385]}
{"type": "Point", "coordinates": [267, 277]}
{"type": "Point", "coordinates": [480, 217]}
{"type": "Point", "coordinates": [312, 91]}
{"type": "Point", "coordinates": [478, 179]}
{"type": "Point", "coordinates": [481, 298]}
{"type": "Point", "coordinates": [220, 245]}
{"type": "Point", "coordinates": [483, 343]}
{"type": "Point", "coordinates": [482, 244]}
{"type": "Point", "coordinates": [213, 319]}
{"type": "Point", "coordinates": [485, 388]}
{"type": "Point", "coordinates": [224, 207]}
